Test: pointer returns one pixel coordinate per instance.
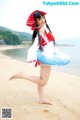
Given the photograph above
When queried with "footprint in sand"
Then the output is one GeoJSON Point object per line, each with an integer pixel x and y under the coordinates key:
{"type": "Point", "coordinates": [45, 111]}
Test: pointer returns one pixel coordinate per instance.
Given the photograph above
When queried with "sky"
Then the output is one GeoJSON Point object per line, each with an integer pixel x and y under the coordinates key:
{"type": "Point", "coordinates": [64, 20]}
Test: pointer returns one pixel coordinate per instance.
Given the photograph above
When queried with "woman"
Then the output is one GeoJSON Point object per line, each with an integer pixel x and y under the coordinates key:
{"type": "Point", "coordinates": [42, 53]}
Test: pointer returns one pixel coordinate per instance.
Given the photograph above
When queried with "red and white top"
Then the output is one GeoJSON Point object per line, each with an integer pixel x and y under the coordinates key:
{"type": "Point", "coordinates": [47, 45]}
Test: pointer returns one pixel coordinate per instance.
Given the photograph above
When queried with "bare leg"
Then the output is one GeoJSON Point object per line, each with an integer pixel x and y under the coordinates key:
{"type": "Point", "coordinates": [31, 78]}
{"type": "Point", "coordinates": [41, 81]}
{"type": "Point", "coordinates": [42, 99]}
{"type": "Point", "coordinates": [44, 73]}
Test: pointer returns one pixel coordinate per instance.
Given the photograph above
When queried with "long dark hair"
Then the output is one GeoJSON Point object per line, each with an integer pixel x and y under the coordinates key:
{"type": "Point", "coordinates": [37, 15]}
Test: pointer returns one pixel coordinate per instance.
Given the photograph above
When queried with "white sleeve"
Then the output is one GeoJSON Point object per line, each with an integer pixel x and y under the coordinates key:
{"type": "Point", "coordinates": [32, 53]}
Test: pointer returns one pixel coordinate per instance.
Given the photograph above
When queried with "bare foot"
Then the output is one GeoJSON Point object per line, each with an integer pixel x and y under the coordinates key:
{"type": "Point", "coordinates": [44, 102]}
{"type": "Point", "coordinates": [18, 75]}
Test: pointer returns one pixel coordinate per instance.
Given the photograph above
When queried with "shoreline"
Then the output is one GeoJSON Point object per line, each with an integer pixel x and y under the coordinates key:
{"type": "Point", "coordinates": [9, 47]}
{"type": "Point", "coordinates": [21, 95]}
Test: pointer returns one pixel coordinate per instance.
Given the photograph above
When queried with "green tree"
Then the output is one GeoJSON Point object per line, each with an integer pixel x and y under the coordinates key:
{"type": "Point", "coordinates": [9, 38]}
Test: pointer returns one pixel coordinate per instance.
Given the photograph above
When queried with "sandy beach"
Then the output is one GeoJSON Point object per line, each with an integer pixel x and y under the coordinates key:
{"type": "Point", "coordinates": [21, 95]}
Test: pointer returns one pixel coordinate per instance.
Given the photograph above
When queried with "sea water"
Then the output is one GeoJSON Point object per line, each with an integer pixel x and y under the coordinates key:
{"type": "Point", "coordinates": [70, 47]}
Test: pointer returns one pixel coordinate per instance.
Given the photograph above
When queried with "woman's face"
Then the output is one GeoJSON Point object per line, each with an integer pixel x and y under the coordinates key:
{"type": "Point", "coordinates": [41, 21]}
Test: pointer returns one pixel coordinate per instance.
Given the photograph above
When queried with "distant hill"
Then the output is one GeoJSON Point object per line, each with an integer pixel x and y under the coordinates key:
{"type": "Point", "coordinates": [23, 36]}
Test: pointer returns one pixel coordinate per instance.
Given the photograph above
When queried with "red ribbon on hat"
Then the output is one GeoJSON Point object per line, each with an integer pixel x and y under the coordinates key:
{"type": "Point", "coordinates": [30, 22]}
